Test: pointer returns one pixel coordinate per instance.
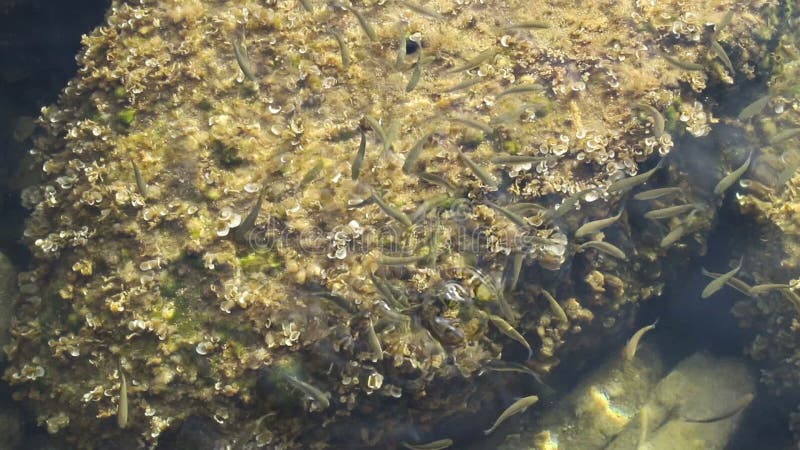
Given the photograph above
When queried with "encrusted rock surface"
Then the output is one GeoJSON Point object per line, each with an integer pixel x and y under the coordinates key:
{"type": "Point", "coordinates": [199, 228]}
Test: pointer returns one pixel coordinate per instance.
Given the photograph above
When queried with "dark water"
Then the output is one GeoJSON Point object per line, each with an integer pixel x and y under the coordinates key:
{"type": "Point", "coordinates": [38, 42]}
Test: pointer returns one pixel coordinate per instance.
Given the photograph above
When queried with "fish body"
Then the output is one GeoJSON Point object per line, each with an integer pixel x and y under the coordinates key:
{"type": "Point", "coordinates": [605, 247]}
{"type": "Point", "coordinates": [658, 119]}
{"type": "Point", "coordinates": [728, 180]}
{"type": "Point", "coordinates": [735, 409]}
{"type": "Point", "coordinates": [391, 211]}
{"type": "Point", "coordinates": [630, 182]}
{"type": "Point", "coordinates": [754, 108]}
{"type": "Point", "coordinates": [717, 283]}
{"type": "Point", "coordinates": [653, 194]}
{"type": "Point", "coordinates": [633, 343]}
{"type": "Point", "coordinates": [141, 185]}
{"type": "Point", "coordinates": [413, 154]}
{"type": "Point", "coordinates": [243, 60]}
{"type": "Point", "coordinates": [475, 62]}
{"type": "Point", "coordinates": [509, 331]}
{"type": "Point", "coordinates": [322, 398]}
{"type": "Point", "coordinates": [555, 307]}
{"type": "Point", "coordinates": [122, 406]}
{"type": "Point", "coordinates": [434, 445]}
{"type": "Point", "coordinates": [481, 173]}
{"type": "Point", "coordinates": [671, 211]}
{"type": "Point", "coordinates": [517, 407]}
{"type": "Point", "coordinates": [249, 222]}
{"type": "Point", "coordinates": [784, 135]}
{"type": "Point", "coordinates": [355, 170]}
{"type": "Point", "coordinates": [521, 89]}
{"type": "Point", "coordinates": [596, 225]}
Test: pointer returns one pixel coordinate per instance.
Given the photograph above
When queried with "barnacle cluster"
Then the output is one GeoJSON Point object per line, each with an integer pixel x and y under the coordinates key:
{"type": "Point", "coordinates": [206, 227]}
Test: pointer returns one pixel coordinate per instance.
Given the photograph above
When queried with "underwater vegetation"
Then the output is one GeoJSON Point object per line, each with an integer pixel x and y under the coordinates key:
{"type": "Point", "coordinates": [299, 219]}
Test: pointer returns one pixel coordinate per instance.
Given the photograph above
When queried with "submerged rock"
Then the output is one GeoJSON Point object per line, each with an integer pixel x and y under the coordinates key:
{"type": "Point", "coordinates": [286, 218]}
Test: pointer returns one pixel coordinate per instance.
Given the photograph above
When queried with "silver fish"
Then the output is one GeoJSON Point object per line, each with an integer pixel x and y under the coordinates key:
{"type": "Point", "coordinates": [720, 281]}
{"type": "Point", "coordinates": [633, 343]}
{"type": "Point", "coordinates": [728, 180]}
{"type": "Point", "coordinates": [517, 407]}
{"type": "Point", "coordinates": [597, 225]}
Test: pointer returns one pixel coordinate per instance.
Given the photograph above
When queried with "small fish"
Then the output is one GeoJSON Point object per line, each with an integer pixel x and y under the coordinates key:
{"type": "Point", "coordinates": [685, 65]}
{"type": "Point", "coordinates": [567, 205]}
{"type": "Point", "coordinates": [720, 52]}
{"type": "Point", "coordinates": [362, 21]}
{"type": "Point", "coordinates": [437, 180]}
{"type": "Point", "coordinates": [141, 186]}
{"type": "Point", "coordinates": [382, 288]}
{"type": "Point", "coordinates": [122, 406]}
{"type": "Point", "coordinates": [345, 53]}
{"type": "Point", "coordinates": [517, 407]}
{"type": "Point", "coordinates": [633, 343]}
{"type": "Point", "coordinates": [402, 260]}
{"type": "Point", "coordinates": [249, 222]}
{"type": "Point", "coordinates": [478, 125]}
{"type": "Point", "coordinates": [509, 331]}
{"type": "Point", "coordinates": [515, 270]}
{"type": "Point", "coordinates": [767, 287]}
{"type": "Point", "coordinates": [419, 9]}
{"type": "Point", "coordinates": [754, 108]}
{"type": "Point", "coordinates": [787, 173]}
{"type": "Point", "coordinates": [321, 398]}
{"type": "Point", "coordinates": [466, 84]}
{"type": "Point", "coordinates": [391, 133]}
{"type": "Point", "coordinates": [376, 126]}
{"type": "Point", "coordinates": [724, 22]}
{"type": "Point", "coordinates": [510, 215]}
{"type": "Point", "coordinates": [434, 445]}
{"type": "Point", "coordinates": [312, 174]}
{"type": "Point", "coordinates": [413, 154]}
{"type": "Point", "coordinates": [401, 47]}
{"type": "Point", "coordinates": [485, 177]}
{"type": "Point", "coordinates": [306, 5]}
{"type": "Point", "coordinates": [784, 135]}
{"type": "Point", "coordinates": [630, 182]}
{"type": "Point", "coordinates": [658, 119]}
{"type": "Point", "coordinates": [735, 409]}
{"type": "Point", "coordinates": [604, 247]}
{"type": "Point", "coordinates": [355, 170]}
{"type": "Point", "coordinates": [521, 89]}
{"type": "Point", "coordinates": [733, 282]}
{"type": "Point", "coordinates": [497, 365]}
{"type": "Point", "coordinates": [530, 25]}
{"type": "Point", "coordinates": [671, 211]}
{"type": "Point", "coordinates": [374, 343]}
{"type": "Point", "coordinates": [244, 61]}
{"type": "Point", "coordinates": [555, 307]}
{"type": "Point", "coordinates": [476, 61]}
{"type": "Point", "coordinates": [391, 211]}
{"type": "Point", "coordinates": [673, 236]}
{"type": "Point", "coordinates": [526, 208]}
{"type": "Point", "coordinates": [728, 180]}
{"type": "Point", "coordinates": [522, 159]}
{"type": "Point", "coordinates": [597, 225]}
{"type": "Point", "coordinates": [416, 75]}
{"type": "Point", "coordinates": [425, 207]}
{"type": "Point", "coordinates": [644, 419]}
{"type": "Point", "coordinates": [653, 194]}
{"type": "Point", "coordinates": [720, 281]}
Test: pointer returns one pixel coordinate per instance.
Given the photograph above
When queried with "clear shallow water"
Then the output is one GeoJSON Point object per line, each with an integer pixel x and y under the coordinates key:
{"type": "Point", "coordinates": [41, 42]}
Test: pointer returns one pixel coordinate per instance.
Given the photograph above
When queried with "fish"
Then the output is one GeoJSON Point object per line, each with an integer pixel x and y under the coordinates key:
{"type": "Point", "coordinates": [517, 407]}
{"type": "Point", "coordinates": [515, 270]}
{"type": "Point", "coordinates": [754, 108]}
{"type": "Point", "coordinates": [416, 75]}
{"type": "Point", "coordinates": [391, 133]}
{"type": "Point", "coordinates": [413, 154]}
{"type": "Point", "coordinates": [681, 64]}
{"type": "Point", "coordinates": [673, 236]}
{"type": "Point", "coordinates": [644, 419]}
{"type": "Point", "coordinates": [787, 173]}
{"type": "Point", "coordinates": [141, 186]}
{"type": "Point", "coordinates": [421, 10]}
{"type": "Point", "coordinates": [437, 180]}
{"type": "Point", "coordinates": [734, 409]}
{"type": "Point", "coordinates": [509, 331]}
{"type": "Point", "coordinates": [720, 52]}
{"type": "Point", "coordinates": [605, 247]}
{"type": "Point", "coordinates": [597, 225]}
{"type": "Point", "coordinates": [724, 22]}
{"type": "Point", "coordinates": [717, 283]}
{"type": "Point", "coordinates": [652, 194]}
{"type": "Point", "coordinates": [243, 59]}
{"type": "Point", "coordinates": [728, 180]}
{"type": "Point", "coordinates": [311, 175]}
{"type": "Point", "coordinates": [306, 5]}
{"type": "Point", "coordinates": [391, 211]}
{"type": "Point", "coordinates": [434, 445]}
{"type": "Point", "coordinates": [401, 47]}
{"type": "Point", "coordinates": [784, 135]}
{"type": "Point", "coordinates": [465, 84]}
{"type": "Point", "coordinates": [122, 406]}
{"type": "Point", "coordinates": [733, 282]}
{"type": "Point", "coordinates": [355, 170]}
{"type": "Point", "coordinates": [522, 159]}
{"type": "Point", "coordinates": [249, 222]}
{"type": "Point", "coordinates": [426, 206]}
{"type": "Point", "coordinates": [472, 123]}
{"type": "Point", "coordinates": [633, 343]}
{"type": "Point", "coordinates": [321, 398]}
{"type": "Point", "coordinates": [345, 54]}
{"type": "Point", "coordinates": [671, 211]}
{"type": "Point", "coordinates": [767, 287]}
{"type": "Point", "coordinates": [567, 205]}
{"type": "Point", "coordinates": [376, 126]}
{"type": "Point", "coordinates": [476, 61]}
{"type": "Point", "coordinates": [374, 343]}
{"type": "Point", "coordinates": [533, 24]}
{"type": "Point", "coordinates": [520, 89]}
{"type": "Point", "coordinates": [555, 307]}
{"type": "Point", "coordinates": [658, 119]}
{"type": "Point", "coordinates": [362, 21]}
{"type": "Point", "coordinates": [630, 182]}
{"type": "Point", "coordinates": [484, 176]}
{"type": "Point", "coordinates": [510, 215]}
{"type": "Point", "coordinates": [498, 365]}
{"type": "Point", "coordinates": [402, 260]}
